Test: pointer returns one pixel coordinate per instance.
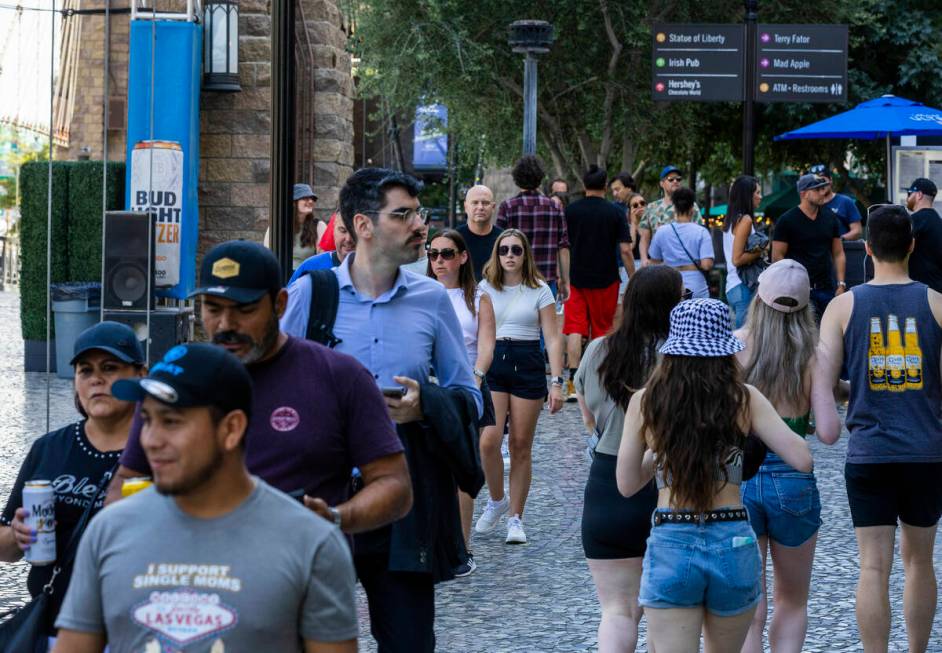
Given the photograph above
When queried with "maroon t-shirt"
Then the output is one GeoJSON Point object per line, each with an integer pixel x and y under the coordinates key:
{"type": "Point", "coordinates": [316, 414]}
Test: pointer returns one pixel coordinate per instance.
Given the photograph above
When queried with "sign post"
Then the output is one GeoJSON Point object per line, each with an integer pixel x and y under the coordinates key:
{"type": "Point", "coordinates": [699, 63]}
{"type": "Point", "coordinates": [801, 63]}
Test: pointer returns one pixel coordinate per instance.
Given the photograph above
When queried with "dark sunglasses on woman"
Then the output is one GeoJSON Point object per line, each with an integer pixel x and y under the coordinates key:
{"type": "Point", "coordinates": [447, 254]}
{"type": "Point", "coordinates": [516, 250]}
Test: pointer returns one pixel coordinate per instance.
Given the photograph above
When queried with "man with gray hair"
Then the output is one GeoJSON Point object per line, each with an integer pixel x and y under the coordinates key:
{"type": "Point", "coordinates": [810, 234]}
{"type": "Point", "coordinates": [479, 232]}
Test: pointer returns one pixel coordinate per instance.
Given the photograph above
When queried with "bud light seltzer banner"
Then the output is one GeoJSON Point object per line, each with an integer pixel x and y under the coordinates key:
{"type": "Point", "coordinates": [157, 187]}
{"type": "Point", "coordinates": [163, 144]}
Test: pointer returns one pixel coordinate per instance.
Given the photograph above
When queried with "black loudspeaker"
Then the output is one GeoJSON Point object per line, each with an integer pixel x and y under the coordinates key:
{"type": "Point", "coordinates": [125, 284]}
{"type": "Point", "coordinates": [858, 268]}
{"type": "Point", "coordinates": [168, 327]}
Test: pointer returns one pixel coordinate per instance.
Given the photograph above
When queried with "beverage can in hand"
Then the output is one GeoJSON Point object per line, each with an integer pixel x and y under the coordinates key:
{"type": "Point", "coordinates": [39, 500]}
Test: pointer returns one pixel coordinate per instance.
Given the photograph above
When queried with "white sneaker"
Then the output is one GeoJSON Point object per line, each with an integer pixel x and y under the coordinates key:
{"type": "Point", "coordinates": [515, 534]}
{"type": "Point", "coordinates": [492, 514]}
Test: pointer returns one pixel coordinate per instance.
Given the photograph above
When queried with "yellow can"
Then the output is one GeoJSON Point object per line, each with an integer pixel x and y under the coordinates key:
{"type": "Point", "coordinates": [135, 485]}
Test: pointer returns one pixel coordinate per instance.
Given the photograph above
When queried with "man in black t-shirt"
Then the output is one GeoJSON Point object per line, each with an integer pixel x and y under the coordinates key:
{"type": "Point", "coordinates": [596, 228]}
{"type": "Point", "coordinates": [479, 231]}
{"type": "Point", "coordinates": [810, 234]}
{"type": "Point", "coordinates": [925, 264]}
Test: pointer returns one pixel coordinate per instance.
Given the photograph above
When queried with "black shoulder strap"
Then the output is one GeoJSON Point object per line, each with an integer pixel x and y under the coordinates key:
{"type": "Point", "coordinates": [325, 297]}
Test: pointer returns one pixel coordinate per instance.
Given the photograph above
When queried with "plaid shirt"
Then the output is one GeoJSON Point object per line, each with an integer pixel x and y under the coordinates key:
{"type": "Point", "coordinates": [543, 223]}
{"type": "Point", "coordinates": [658, 213]}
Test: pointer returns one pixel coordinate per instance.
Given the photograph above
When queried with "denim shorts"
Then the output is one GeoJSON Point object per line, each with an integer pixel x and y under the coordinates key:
{"type": "Point", "coordinates": [783, 504]}
{"type": "Point", "coordinates": [714, 565]}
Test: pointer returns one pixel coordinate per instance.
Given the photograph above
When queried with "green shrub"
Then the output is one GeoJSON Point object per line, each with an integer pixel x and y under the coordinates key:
{"type": "Point", "coordinates": [85, 215]}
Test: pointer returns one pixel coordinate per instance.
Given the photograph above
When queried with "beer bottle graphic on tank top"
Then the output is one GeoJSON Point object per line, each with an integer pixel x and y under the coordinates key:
{"type": "Point", "coordinates": [876, 357]}
{"type": "Point", "coordinates": [913, 356]}
{"type": "Point", "coordinates": [895, 357]}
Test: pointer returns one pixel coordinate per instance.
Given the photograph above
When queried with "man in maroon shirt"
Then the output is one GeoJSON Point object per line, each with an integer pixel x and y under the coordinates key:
{"type": "Point", "coordinates": [542, 221]}
{"type": "Point", "coordinates": [316, 413]}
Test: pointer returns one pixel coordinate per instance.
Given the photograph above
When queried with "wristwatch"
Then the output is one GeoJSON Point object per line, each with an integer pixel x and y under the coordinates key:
{"type": "Point", "coordinates": [556, 380]}
{"type": "Point", "coordinates": [478, 373]}
{"type": "Point", "coordinates": [335, 515]}
{"type": "Point", "coordinates": [842, 284]}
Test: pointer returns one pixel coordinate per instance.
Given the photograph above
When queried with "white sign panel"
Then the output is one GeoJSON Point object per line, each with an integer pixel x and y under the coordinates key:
{"type": "Point", "coordinates": [157, 188]}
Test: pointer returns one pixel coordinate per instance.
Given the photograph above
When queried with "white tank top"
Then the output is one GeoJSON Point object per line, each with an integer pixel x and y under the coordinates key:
{"type": "Point", "coordinates": [732, 275]}
{"type": "Point", "coordinates": [469, 323]}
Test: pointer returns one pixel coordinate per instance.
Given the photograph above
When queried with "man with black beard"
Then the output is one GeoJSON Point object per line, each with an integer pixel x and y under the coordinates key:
{"type": "Point", "coordinates": [316, 413]}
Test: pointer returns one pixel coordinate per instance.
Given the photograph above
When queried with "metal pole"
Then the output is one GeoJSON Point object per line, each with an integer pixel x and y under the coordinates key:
{"type": "Point", "coordinates": [529, 104]}
{"type": "Point", "coordinates": [889, 169]}
{"type": "Point", "coordinates": [282, 128]}
{"type": "Point", "coordinates": [748, 108]}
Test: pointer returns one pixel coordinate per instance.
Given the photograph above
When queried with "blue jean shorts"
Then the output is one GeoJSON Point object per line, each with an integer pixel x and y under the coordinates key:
{"type": "Point", "coordinates": [783, 504]}
{"type": "Point", "coordinates": [714, 565]}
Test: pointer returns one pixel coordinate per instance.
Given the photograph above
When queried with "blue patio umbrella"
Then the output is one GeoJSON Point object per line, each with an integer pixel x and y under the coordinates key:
{"type": "Point", "coordinates": [883, 117]}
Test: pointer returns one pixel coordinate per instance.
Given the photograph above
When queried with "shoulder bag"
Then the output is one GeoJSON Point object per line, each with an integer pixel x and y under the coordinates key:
{"type": "Point", "coordinates": [696, 262]}
{"type": "Point", "coordinates": [325, 299]}
{"type": "Point", "coordinates": [24, 630]}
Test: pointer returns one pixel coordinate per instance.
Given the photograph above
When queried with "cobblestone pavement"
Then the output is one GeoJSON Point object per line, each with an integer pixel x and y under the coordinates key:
{"type": "Point", "coordinates": [522, 599]}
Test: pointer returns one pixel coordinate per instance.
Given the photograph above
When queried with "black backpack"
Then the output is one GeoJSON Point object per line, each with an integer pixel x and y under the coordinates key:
{"type": "Point", "coordinates": [325, 297]}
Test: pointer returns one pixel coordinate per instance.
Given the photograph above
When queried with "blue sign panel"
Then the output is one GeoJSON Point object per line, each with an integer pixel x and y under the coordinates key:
{"type": "Point", "coordinates": [163, 144]}
{"type": "Point", "coordinates": [430, 142]}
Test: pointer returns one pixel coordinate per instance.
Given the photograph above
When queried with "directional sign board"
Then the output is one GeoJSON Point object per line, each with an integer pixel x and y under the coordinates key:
{"type": "Point", "coordinates": [801, 63]}
{"type": "Point", "coordinates": [698, 63]}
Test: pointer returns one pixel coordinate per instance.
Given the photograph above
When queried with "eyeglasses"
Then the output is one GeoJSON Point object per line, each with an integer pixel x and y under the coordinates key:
{"type": "Point", "coordinates": [447, 254]}
{"type": "Point", "coordinates": [688, 294]}
{"type": "Point", "coordinates": [673, 180]}
{"type": "Point", "coordinates": [407, 215]}
{"type": "Point", "coordinates": [504, 250]}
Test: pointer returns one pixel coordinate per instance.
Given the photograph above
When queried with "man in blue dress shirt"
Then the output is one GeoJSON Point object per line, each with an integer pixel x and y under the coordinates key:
{"type": "Point", "coordinates": [400, 325]}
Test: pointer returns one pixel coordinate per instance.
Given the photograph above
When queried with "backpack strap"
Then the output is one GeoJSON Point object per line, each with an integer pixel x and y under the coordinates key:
{"type": "Point", "coordinates": [325, 298]}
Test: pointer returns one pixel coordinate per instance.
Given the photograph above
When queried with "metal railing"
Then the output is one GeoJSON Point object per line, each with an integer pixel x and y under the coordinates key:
{"type": "Point", "coordinates": [9, 261]}
{"type": "Point", "coordinates": [194, 11]}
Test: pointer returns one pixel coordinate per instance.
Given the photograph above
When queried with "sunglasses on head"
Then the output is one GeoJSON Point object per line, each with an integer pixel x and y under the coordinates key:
{"type": "Point", "coordinates": [447, 254]}
{"type": "Point", "coordinates": [516, 250]}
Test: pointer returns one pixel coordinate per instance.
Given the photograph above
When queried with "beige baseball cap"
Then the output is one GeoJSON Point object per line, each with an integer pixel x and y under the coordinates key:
{"type": "Point", "coordinates": [785, 286]}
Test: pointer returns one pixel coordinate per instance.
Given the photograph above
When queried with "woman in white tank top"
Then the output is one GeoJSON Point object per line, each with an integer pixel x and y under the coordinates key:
{"type": "Point", "coordinates": [450, 263]}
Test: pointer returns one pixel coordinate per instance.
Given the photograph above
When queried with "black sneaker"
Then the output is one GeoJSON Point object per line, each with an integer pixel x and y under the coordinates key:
{"type": "Point", "coordinates": [466, 568]}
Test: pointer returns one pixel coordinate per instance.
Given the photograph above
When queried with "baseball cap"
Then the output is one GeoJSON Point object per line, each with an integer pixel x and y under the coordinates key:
{"type": "Point", "coordinates": [785, 286]}
{"type": "Point", "coordinates": [810, 182]}
{"type": "Point", "coordinates": [301, 191]}
{"type": "Point", "coordinates": [240, 270]}
{"type": "Point", "coordinates": [820, 169]}
{"type": "Point", "coordinates": [924, 186]}
{"type": "Point", "coordinates": [195, 374]}
{"type": "Point", "coordinates": [669, 169]}
{"type": "Point", "coordinates": [117, 339]}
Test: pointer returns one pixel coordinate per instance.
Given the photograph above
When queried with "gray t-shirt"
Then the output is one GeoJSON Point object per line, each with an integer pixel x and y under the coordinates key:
{"type": "Point", "coordinates": [263, 577]}
{"type": "Point", "coordinates": [609, 418]}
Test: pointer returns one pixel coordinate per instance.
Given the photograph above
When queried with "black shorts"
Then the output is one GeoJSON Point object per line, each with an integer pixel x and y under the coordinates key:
{"type": "Point", "coordinates": [518, 369]}
{"type": "Point", "coordinates": [879, 494]}
{"type": "Point", "coordinates": [614, 527]}
{"type": "Point", "coordinates": [488, 418]}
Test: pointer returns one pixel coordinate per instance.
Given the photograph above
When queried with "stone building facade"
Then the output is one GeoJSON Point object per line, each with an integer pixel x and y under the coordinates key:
{"type": "Point", "coordinates": [235, 128]}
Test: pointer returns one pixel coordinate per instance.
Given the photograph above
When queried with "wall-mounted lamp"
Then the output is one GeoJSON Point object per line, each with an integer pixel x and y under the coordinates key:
{"type": "Point", "coordinates": [221, 46]}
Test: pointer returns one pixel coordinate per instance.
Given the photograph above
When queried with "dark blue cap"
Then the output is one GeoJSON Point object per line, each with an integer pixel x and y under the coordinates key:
{"type": "Point", "coordinates": [117, 339]}
{"type": "Point", "coordinates": [240, 270]}
{"type": "Point", "coordinates": [924, 186]}
{"type": "Point", "coordinates": [301, 191]}
{"type": "Point", "coordinates": [196, 374]}
{"type": "Point", "coordinates": [669, 169]}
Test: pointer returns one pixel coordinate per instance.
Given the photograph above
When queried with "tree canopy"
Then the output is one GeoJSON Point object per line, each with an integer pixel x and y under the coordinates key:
{"type": "Point", "coordinates": [594, 99]}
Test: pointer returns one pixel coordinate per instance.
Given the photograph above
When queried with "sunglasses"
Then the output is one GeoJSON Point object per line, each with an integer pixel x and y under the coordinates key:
{"type": "Point", "coordinates": [638, 204]}
{"type": "Point", "coordinates": [504, 250]}
{"type": "Point", "coordinates": [688, 294]}
{"type": "Point", "coordinates": [672, 180]}
{"type": "Point", "coordinates": [447, 254]}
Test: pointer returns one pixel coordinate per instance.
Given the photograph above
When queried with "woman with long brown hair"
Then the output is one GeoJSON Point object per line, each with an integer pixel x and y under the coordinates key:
{"type": "Point", "coordinates": [701, 569]}
{"type": "Point", "coordinates": [523, 307]}
{"type": "Point", "coordinates": [449, 262]}
{"type": "Point", "coordinates": [615, 528]}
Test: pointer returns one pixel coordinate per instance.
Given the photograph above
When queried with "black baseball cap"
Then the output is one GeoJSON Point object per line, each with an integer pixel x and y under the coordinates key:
{"type": "Point", "coordinates": [240, 270]}
{"type": "Point", "coordinates": [195, 374]}
{"type": "Point", "coordinates": [117, 339]}
{"type": "Point", "coordinates": [924, 186]}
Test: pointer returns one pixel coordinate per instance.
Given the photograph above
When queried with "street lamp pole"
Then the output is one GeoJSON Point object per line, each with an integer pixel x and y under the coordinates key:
{"type": "Point", "coordinates": [748, 105]}
{"type": "Point", "coordinates": [530, 38]}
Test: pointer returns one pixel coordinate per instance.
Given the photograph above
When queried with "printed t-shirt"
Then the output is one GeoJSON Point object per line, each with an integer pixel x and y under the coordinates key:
{"type": "Point", "coordinates": [809, 242]}
{"type": "Point", "coordinates": [316, 414]}
{"type": "Point", "coordinates": [845, 208]}
{"type": "Point", "coordinates": [517, 309]}
{"type": "Point", "coordinates": [668, 246]}
{"type": "Point", "coordinates": [260, 578]}
{"type": "Point", "coordinates": [925, 263]}
{"type": "Point", "coordinates": [479, 247]}
{"type": "Point", "coordinates": [595, 226]}
{"type": "Point", "coordinates": [79, 473]}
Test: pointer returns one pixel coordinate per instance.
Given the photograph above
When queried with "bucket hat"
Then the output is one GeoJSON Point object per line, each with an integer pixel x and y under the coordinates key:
{"type": "Point", "coordinates": [700, 327]}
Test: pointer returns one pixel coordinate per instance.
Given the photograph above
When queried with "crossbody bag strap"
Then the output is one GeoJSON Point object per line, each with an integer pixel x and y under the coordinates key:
{"type": "Point", "coordinates": [325, 299]}
{"type": "Point", "coordinates": [696, 262]}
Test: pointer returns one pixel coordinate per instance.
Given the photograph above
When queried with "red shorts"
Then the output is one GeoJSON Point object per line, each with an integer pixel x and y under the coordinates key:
{"type": "Point", "coordinates": [590, 311]}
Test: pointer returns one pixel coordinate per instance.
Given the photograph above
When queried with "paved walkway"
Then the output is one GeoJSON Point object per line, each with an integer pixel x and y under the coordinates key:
{"type": "Point", "coordinates": [522, 599]}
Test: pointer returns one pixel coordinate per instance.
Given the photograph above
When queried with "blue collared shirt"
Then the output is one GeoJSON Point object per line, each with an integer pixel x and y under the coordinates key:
{"type": "Point", "coordinates": [406, 331]}
{"type": "Point", "coordinates": [322, 261]}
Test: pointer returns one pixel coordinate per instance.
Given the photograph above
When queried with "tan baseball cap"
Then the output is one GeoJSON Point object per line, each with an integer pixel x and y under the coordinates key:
{"type": "Point", "coordinates": [785, 286]}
